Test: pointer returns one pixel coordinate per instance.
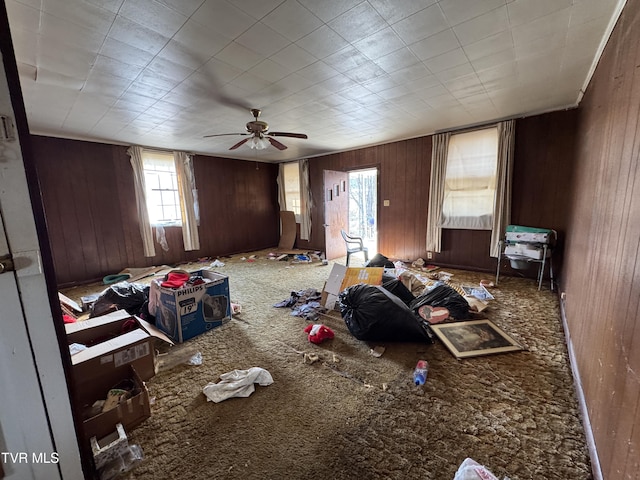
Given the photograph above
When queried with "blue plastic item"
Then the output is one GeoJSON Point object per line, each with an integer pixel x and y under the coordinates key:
{"type": "Point", "coordinates": [420, 373]}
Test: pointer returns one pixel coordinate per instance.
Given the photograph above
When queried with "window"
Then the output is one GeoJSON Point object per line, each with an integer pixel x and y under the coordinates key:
{"type": "Point", "coordinates": [292, 187]}
{"type": "Point", "coordinates": [470, 180]}
{"type": "Point", "coordinates": [163, 199]}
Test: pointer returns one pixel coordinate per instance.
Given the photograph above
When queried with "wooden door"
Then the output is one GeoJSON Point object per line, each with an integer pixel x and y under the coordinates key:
{"type": "Point", "coordinates": [336, 212]}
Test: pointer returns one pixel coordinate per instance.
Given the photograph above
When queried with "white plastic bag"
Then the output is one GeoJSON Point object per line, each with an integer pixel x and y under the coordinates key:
{"type": "Point", "coordinates": [472, 470]}
{"type": "Point", "coordinates": [237, 383]}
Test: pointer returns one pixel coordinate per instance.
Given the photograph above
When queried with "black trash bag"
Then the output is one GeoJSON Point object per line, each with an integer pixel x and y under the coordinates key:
{"type": "Point", "coordinates": [123, 295]}
{"type": "Point", "coordinates": [380, 260]}
{"type": "Point", "coordinates": [371, 313]}
{"type": "Point", "coordinates": [443, 296]}
{"type": "Point", "coordinates": [395, 286]}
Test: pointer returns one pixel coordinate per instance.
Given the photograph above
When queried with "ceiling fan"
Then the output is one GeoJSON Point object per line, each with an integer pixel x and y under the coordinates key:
{"type": "Point", "coordinates": [259, 135]}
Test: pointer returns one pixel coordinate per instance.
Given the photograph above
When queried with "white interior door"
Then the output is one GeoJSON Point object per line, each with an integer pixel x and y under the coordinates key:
{"type": "Point", "coordinates": [37, 435]}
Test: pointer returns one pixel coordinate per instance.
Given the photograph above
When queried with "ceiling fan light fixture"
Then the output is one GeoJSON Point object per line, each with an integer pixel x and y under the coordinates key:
{"type": "Point", "coordinates": [258, 143]}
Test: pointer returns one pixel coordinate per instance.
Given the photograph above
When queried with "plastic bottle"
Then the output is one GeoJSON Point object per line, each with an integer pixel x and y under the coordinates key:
{"type": "Point", "coordinates": [420, 373]}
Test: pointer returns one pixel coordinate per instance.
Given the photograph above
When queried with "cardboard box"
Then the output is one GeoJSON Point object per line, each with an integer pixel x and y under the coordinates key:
{"type": "Point", "coordinates": [129, 413]}
{"type": "Point", "coordinates": [108, 349]}
{"type": "Point", "coordinates": [187, 312]}
{"type": "Point", "coordinates": [107, 449]}
{"type": "Point", "coordinates": [342, 277]}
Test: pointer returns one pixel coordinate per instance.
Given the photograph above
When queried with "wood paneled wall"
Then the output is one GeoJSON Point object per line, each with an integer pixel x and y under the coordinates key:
{"type": "Point", "coordinates": [403, 169]}
{"type": "Point", "coordinates": [90, 207]}
{"type": "Point", "coordinates": [542, 170]}
{"type": "Point", "coordinates": [602, 254]}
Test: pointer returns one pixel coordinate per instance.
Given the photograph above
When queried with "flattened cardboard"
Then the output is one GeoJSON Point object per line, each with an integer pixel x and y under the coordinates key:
{"type": "Point", "coordinates": [289, 228]}
{"type": "Point", "coordinates": [342, 277]}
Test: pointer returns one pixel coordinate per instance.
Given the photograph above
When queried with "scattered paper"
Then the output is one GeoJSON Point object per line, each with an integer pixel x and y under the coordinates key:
{"type": "Point", "coordinates": [76, 348]}
{"type": "Point", "coordinates": [377, 351]}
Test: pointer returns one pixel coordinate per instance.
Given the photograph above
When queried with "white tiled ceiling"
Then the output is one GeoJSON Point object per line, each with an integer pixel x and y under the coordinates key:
{"type": "Point", "coordinates": [348, 73]}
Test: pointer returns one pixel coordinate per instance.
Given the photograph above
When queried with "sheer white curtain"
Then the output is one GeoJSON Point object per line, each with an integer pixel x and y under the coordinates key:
{"type": "Point", "coordinates": [146, 232]}
{"type": "Point", "coordinates": [439, 149]}
{"type": "Point", "coordinates": [188, 200]}
{"type": "Point", "coordinates": [282, 194]}
{"type": "Point", "coordinates": [306, 201]}
{"type": "Point", "coordinates": [502, 204]}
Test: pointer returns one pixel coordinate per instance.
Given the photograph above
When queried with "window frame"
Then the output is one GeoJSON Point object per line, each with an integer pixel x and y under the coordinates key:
{"type": "Point", "coordinates": [479, 186]}
{"type": "Point", "coordinates": [161, 156]}
{"type": "Point", "coordinates": [288, 178]}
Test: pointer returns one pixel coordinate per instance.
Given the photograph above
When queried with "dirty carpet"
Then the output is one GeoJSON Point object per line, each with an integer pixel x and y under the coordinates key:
{"type": "Point", "coordinates": [352, 415]}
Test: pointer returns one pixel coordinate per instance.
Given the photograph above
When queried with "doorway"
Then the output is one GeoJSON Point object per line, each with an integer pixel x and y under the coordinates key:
{"type": "Point", "coordinates": [363, 207]}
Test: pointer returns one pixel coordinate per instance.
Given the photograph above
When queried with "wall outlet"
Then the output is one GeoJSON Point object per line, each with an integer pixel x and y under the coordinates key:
{"type": "Point", "coordinates": [386, 203]}
{"type": "Point", "coordinates": [429, 255]}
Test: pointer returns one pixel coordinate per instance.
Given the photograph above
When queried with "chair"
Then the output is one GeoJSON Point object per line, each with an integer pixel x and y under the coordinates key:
{"type": "Point", "coordinates": [354, 245]}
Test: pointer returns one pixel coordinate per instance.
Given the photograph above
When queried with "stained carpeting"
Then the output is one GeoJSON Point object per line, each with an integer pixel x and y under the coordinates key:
{"type": "Point", "coordinates": [351, 415]}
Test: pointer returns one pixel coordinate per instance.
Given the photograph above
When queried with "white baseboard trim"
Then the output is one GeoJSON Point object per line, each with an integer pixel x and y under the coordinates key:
{"type": "Point", "coordinates": [591, 444]}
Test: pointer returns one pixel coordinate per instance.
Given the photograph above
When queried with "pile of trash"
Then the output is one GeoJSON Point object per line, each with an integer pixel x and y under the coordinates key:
{"type": "Point", "coordinates": [304, 303]}
{"type": "Point", "coordinates": [406, 304]}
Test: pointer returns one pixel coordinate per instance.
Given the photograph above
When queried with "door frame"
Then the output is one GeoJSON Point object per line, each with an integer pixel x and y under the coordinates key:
{"type": "Point", "coordinates": [375, 167]}
{"type": "Point", "coordinates": [46, 368]}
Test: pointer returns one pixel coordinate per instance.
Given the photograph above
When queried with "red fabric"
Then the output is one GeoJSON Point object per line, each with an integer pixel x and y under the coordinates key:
{"type": "Point", "coordinates": [175, 280]}
{"type": "Point", "coordinates": [318, 333]}
{"type": "Point", "coordinates": [68, 318]}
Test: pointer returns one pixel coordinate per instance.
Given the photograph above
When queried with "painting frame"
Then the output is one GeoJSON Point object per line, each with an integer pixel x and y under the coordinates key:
{"type": "Point", "coordinates": [473, 338]}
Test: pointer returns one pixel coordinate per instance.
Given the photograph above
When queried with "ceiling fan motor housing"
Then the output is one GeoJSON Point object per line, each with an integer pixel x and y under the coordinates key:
{"type": "Point", "coordinates": [257, 126]}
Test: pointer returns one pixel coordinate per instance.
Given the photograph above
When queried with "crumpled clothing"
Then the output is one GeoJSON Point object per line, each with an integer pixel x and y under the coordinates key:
{"type": "Point", "coordinates": [304, 303]}
{"type": "Point", "coordinates": [309, 311]}
{"type": "Point", "coordinates": [289, 302]}
{"type": "Point", "coordinates": [299, 298]}
{"type": "Point", "coordinates": [237, 383]}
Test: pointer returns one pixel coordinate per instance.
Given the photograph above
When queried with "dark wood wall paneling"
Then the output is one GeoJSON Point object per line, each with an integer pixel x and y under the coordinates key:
{"type": "Point", "coordinates": [238, 204]}
{"type": "Point", "coordinates": [88, 193]}
{"type": "Point", "coordinates": [91, 214]}
{"type": "Point", "coordinates": [542, 170]}
{"type": "Point", "coordinates": [602, 261]}
{"type": "Point", "coordinates": [403, 169]}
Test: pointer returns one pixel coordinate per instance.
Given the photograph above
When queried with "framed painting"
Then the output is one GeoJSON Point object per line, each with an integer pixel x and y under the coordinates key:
{"type": "Point", "coordinates": [473, 338]}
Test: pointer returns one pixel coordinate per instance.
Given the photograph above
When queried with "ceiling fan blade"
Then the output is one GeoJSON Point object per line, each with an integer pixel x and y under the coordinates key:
{"type": "Point", "coordinates": [240, 143]}
{"type": "Point", "coordinates": [288, 134]}
{"type": "Point", "coordinates": [224, 134]}
{"type": "Point", "coordinates": [228, 100]}
{"type": "Point", "coordinates": [276, 143]}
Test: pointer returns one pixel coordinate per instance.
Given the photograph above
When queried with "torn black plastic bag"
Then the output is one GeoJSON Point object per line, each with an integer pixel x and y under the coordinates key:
{"type": "Point", "coordinates": [443, 296]}
{"type": "Point", "coordinates": [395, 286]}
{"type": "Point", "coordinates": [380, 261]}
{"type": "Point", "coordinates": [124, 295]}
{"type": "Point", "coordinates": [371, 313]}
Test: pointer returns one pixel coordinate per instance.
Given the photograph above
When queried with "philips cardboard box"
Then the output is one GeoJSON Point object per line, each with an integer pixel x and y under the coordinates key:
{"type": "Point", "coordinates": [189, 311]}
{"type": "Point", "coordinates": [113, 342]}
